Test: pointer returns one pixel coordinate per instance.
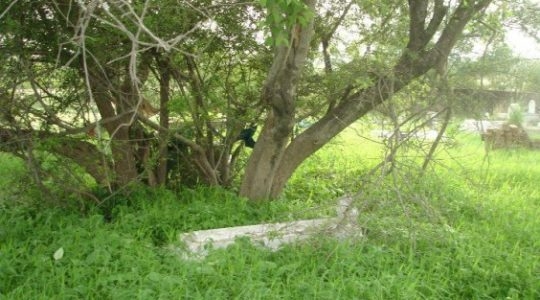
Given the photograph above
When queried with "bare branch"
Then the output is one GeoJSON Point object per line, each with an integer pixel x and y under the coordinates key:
{"type": "Point", "coordinates": [8, 8]}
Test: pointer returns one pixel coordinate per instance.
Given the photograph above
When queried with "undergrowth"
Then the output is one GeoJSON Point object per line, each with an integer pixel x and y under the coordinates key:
{"type": "Point", "coordinates": [469, 231]}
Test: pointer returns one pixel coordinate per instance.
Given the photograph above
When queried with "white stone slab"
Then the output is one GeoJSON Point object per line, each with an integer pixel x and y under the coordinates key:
{"type": "Point", "coordinates": [274, 235]}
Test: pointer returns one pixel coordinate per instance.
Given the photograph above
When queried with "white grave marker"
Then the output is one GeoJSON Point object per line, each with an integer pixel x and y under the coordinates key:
{"type": "Point", "coordinates": [532, 107]}
{"type": "Point", "coordinates": [273, 235]}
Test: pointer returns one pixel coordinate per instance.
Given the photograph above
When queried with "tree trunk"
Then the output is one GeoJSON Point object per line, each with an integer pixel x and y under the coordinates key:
{"type": "Point", "coordinates": [279, 96]}
{"type": "Point", "coordinates": [164, 97]}
{"type": "Point", "coordinates": [124, 162]}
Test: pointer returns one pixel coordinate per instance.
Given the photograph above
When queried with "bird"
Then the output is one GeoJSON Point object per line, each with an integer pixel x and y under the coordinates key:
{"type": "Point", "coordinates": [246, 135]}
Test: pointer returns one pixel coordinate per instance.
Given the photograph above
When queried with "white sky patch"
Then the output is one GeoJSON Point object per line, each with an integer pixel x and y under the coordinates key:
{"type": "Point", "coordinates": [522, 45]}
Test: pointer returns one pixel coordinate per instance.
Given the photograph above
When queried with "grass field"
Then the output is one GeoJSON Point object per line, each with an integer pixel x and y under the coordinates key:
{"type": "Point", "coordinates": [468, 229]}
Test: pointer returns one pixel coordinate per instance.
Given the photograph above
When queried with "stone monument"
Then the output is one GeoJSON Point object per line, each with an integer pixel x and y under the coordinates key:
{"type": "Point", "coordinates": [532, 107]}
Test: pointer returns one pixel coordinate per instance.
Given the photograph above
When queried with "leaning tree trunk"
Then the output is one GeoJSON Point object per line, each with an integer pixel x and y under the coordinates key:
{"type": "Point", "coordinates": [274, 161]}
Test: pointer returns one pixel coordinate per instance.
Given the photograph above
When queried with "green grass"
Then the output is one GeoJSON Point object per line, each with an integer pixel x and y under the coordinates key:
{"type": "Point", "coordinates": [12, 179]}
{"type": "Point", "coordinates": [467, 230]}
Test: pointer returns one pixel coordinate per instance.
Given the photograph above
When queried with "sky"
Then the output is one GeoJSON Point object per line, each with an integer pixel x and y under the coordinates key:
{"type": "Point", "coordinates": [522, 45]}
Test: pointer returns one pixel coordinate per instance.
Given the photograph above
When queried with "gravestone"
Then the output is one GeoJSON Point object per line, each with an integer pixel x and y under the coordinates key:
{"type": "Point", "coordinates": [513, 108]}
{"type": "Point", "coordinates": [273, 235]}
{"type": "Point", "coordinates": [532, 107]}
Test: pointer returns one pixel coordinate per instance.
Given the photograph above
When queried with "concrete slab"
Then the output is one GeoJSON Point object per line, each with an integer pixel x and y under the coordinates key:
{"type": "Point", "coordinates": [273, 235]}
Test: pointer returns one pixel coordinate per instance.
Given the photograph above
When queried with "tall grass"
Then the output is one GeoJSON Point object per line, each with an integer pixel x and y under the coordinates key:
{"type": "Point", "coordinates": [13, 178]}
{"type": "Point", "coordinates": [467, 230]}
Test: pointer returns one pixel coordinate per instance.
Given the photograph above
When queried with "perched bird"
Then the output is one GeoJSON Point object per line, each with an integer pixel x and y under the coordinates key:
{"type": "Point", "coordinates": [246, 135]}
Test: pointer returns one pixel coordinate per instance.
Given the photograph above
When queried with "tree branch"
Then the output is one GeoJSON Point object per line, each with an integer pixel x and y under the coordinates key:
{"type": "Point", "coordinates": [81, 152]}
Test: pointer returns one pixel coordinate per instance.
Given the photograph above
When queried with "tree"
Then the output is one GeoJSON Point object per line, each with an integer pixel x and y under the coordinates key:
{"type": "Point", "coordinates": [121, 88]}
{"type": "Point", "coordinates": [81, 77]}
{"type": "Point", "coordinates": [434, 29]}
